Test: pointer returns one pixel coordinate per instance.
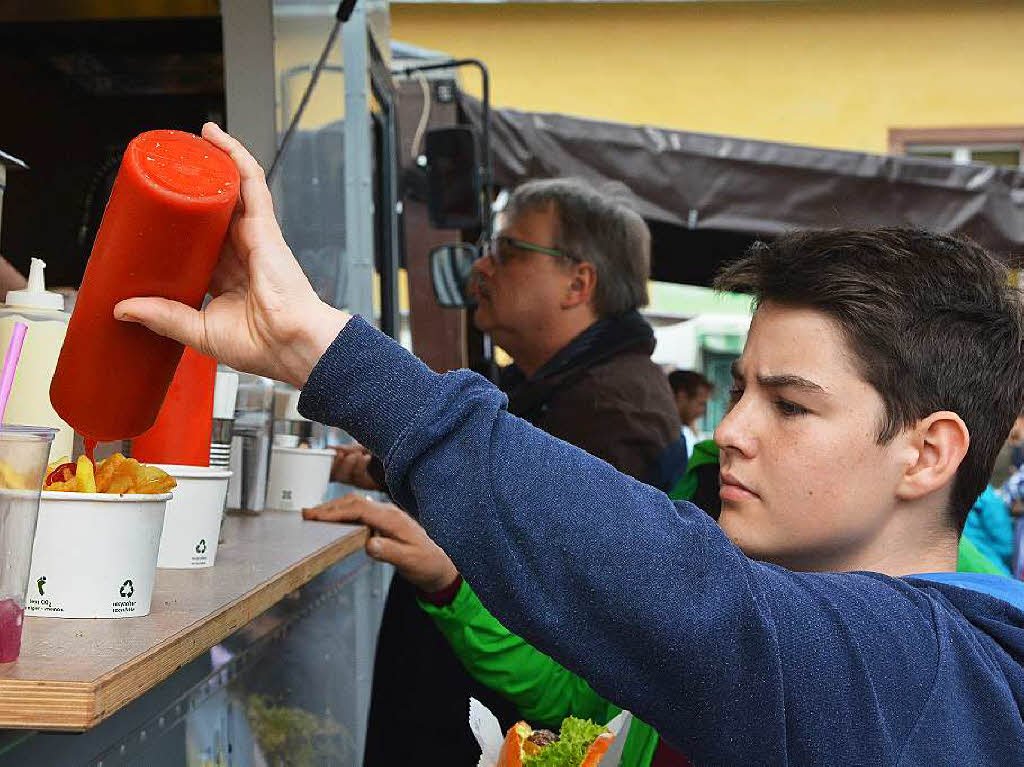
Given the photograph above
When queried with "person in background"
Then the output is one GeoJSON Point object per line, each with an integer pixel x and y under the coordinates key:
{"type": "Point", "coordinates": [691, 391]}
{"type": "Point", "coordinates": [700, 482]}
{"type": "Point", "coordinates": [558, 288]}
{"type": "Point", "coordinates": [990, 524]}
{"type": "Point", "coordinates": [10, 278]}
{"type": "Point", "coordinates": [830, 629]}
{"type": "Point", "coordinates": [1017, 443]}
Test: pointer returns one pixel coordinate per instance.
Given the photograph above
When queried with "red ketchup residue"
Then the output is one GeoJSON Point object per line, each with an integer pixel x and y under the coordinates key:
{"type": "Point", "coordinates": [62, 473]}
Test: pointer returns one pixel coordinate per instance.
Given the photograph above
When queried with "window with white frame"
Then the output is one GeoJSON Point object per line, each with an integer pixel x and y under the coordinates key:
{"type": "Point", "coordinates": [1002, 146]}
{"type": "Point", "coordinates": [1007, 155]}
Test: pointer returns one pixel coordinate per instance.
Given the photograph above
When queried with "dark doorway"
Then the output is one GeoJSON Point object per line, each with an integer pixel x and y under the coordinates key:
{"type": "Point", "coordinates": [75, 93]}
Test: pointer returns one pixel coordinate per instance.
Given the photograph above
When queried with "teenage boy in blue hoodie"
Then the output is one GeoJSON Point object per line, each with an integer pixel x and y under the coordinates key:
{"type": "Point", "coordinates": [822, 623]}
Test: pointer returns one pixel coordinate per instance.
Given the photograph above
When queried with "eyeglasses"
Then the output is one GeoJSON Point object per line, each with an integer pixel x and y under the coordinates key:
{"type": "Point", "coordinates": [501, 247]}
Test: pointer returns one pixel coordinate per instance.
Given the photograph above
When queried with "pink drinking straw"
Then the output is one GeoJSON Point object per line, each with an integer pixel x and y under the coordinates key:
{"type": "Point", "coordinates": [11, 364]}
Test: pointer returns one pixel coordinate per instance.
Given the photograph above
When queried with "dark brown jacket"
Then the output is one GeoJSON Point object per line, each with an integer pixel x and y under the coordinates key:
{"type": "Point", "coordinates": [603, 393]}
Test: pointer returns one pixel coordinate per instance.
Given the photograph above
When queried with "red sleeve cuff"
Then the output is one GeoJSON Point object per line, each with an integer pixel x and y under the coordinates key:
{"type": "Point", "coordinates": [445, 596]}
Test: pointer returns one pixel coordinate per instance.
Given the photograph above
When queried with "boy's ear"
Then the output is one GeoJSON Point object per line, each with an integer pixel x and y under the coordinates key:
{"type": "Point", "coordinates": [940, 442]}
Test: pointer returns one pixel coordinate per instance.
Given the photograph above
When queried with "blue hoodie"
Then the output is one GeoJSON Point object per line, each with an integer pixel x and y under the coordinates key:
{"type": "Point", "coordinates": [732, 660]}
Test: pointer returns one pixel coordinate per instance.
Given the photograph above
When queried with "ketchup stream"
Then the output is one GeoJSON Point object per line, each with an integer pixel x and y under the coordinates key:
{"type": "Point", "coordinates": [66, 471]}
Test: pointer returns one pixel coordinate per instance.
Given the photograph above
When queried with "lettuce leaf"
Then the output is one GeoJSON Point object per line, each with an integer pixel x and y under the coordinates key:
{"type": "Point", "coordinates": [574, 739]}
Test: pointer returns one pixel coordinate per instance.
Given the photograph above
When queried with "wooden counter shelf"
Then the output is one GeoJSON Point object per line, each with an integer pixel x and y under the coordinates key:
{"type": "Point", "coordinates": [73, 674]}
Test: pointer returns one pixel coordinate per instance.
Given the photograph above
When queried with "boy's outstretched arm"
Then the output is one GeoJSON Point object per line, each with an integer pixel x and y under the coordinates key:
{"type": "Point", "coordinates": [729, 659]}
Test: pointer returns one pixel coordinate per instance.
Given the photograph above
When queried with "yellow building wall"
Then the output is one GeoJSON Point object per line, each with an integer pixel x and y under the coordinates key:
{"type": "Point", "coordinates": [834, 73]}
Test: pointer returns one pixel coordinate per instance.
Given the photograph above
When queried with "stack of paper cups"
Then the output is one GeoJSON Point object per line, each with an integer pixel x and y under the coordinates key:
{"type": "Point", "coordinates": [225, 392]}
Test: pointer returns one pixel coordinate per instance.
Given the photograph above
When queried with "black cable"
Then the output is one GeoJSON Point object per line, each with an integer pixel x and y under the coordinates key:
{"type": "Point", "coordinates": [342, 15]}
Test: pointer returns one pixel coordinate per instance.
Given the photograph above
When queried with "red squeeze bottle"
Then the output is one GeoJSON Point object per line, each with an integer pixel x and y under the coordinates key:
{"type": "Point", "coordinates": [181, 434]}
{"type": "Point", "coordinates": [161, 235]}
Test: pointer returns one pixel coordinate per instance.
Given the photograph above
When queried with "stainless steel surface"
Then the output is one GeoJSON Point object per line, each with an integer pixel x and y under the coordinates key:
{"type": "Point", "coordinates": [250, 444]}
{"type": "Point", "coordinates": [220, 442]}
{"type": "Point", "coordinates": [310, 433]}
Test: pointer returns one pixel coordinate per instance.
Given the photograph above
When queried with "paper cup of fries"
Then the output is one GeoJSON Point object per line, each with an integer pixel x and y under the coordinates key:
{"type": "Point", "coordinates": [192, 521]}
{"type": "Point", "coordinates": [97, 539]}
{"type": "Point", "coordinates": [95, 555]}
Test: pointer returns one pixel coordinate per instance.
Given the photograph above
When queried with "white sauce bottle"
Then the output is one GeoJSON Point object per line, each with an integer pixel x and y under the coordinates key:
{"type": "Point", "coordinates": [47, 322]}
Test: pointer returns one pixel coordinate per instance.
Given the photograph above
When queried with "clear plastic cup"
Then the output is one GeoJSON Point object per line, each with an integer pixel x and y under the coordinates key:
{"type": "Point", "coordinates": [24, 451]}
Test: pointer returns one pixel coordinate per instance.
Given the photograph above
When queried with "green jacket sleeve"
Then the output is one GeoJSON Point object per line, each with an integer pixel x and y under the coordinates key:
{"type": "Point", "coordinates": [544, 691]}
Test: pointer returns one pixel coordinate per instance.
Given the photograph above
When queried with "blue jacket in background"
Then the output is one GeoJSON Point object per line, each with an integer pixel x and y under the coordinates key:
{"type": "Point", "coordinates": [990, 528]}
{"type": "Point", "coordinates": [731, 660]}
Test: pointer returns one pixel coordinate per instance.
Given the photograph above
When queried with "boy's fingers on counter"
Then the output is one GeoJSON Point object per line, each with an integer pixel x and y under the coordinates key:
{"type": "Point", "coordinates": [389, 520]}
{"type": "Point", "coordinates": [389, 550]}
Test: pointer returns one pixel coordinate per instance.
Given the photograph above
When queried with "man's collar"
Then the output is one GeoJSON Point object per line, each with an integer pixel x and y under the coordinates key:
{"type": "Point", "coordinates": [603, 339]}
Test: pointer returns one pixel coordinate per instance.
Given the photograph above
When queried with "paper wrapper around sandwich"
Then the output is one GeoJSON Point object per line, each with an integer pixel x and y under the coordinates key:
{"type": "Point", "coordinates": [490, 738]}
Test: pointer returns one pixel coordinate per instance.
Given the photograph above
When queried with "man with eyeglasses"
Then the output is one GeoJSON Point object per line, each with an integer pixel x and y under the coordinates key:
{"type": "Point", "coordinates": [559, 288]}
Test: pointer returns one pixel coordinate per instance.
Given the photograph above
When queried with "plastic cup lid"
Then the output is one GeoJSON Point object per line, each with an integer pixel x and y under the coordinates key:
{"type": "Point", "coordinates": [27, 433]}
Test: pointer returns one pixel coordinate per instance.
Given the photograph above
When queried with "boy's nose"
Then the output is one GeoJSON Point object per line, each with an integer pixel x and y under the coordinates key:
{"type": "Point", "coordinates": [735, 430]}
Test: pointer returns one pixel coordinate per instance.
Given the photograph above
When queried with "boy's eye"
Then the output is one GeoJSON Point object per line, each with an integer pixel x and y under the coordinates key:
{"type": "Point", "coordinates": [734, 395]}
{"type": "Point", "coordinates": [788, 408]}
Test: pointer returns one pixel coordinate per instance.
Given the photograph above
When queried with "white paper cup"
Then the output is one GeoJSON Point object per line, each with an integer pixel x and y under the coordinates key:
{"type": "Point", "coordinates": [298, 477]}
{"type": "Point", "coordinates": [286, 440]}
{"type": "Point", "coordinates": [192, 521]}
{"type": "Point", "coordinates": [95, 555]}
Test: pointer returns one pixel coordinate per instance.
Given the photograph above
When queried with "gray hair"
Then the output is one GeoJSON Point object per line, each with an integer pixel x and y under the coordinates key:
{"type": "Point", "coordinates": [597, 228]}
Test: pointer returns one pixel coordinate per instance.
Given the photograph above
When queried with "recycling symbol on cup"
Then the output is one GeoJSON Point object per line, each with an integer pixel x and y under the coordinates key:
{"type": "Point", "coordinates": [201, 546]}
{"type": "Point", "coordinates": [127, 589]}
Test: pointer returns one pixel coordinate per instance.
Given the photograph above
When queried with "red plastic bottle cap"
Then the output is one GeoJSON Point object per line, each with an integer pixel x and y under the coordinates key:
{"type": "Point", "coordinates": [183, 164]}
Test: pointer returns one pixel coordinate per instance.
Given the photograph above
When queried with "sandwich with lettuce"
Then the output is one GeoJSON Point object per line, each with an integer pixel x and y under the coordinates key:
{"type": "Point", "coordinates": [579, 743]}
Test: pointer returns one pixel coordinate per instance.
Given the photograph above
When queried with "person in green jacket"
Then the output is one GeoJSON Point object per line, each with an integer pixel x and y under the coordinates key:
{"type": "Point", "coordinates": [544, 691]}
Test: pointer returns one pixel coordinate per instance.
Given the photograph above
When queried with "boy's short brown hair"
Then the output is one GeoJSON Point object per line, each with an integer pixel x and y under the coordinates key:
{"type": "Point", "coordinates": [932, 319]}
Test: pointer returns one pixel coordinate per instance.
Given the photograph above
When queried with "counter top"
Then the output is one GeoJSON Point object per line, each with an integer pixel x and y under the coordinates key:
{"type": "Point", "coordinates": [74, 673]}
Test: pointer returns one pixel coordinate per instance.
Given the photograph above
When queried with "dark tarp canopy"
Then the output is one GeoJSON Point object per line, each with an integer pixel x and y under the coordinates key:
{"type": "Point", "coordinates": [707, 196]}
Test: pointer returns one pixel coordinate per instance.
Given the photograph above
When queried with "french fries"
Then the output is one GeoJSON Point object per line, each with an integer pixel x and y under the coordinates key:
{"type": "Point", "coordinates": [115, 474]}
{"type": "Point", "coordinates": [12, 480]}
